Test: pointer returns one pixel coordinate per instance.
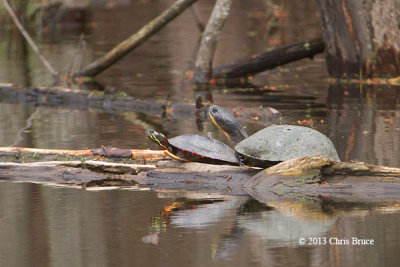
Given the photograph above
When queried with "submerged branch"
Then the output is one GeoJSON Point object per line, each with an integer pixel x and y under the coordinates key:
{"type": "Point", "coordinates": [35, 48]}
{"type": "Point", "coordinates": [136, 39]}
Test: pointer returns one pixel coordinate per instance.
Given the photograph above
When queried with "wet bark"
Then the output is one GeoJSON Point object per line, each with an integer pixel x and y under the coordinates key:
{"type": "Point", "coordinates": [271, 59]}
{"type": "Point", "coordinates": [362, 38]}
{"type": "Point", "coordinates": [135, 40]}
{"type": "Point", "coordinates": [209, 41]}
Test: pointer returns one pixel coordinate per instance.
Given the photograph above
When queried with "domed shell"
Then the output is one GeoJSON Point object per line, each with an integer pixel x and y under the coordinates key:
{"type": "Point", "coordinates": [205, 147]}
{"type": "Point", "coordinates": [283, 142]}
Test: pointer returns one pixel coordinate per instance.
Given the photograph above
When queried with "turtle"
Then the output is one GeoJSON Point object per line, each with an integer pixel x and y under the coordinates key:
{"type": "Point", "coordinates": [198, 148]}
{"type": "Point", "coordinates": [273, 144]}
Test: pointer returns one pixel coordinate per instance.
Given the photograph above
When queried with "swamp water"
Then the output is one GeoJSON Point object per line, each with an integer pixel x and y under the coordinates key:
{"type": "Point", "coordinates": [44, 225]}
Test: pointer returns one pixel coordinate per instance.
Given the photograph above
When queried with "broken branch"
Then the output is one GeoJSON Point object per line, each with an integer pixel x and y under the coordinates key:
{"type": "Point", "coordinates": [271, 59]}
{"type": "Point", "coordinates": [135, 40]}
{"type": "Point", "coordinates": [35, 48]}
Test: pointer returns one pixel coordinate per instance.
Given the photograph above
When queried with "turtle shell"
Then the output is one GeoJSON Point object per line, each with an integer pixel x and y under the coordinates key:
{"type": "Point", "coordinates": [278, 143]}
{"type": "Point", "coordinates": [202, 149]}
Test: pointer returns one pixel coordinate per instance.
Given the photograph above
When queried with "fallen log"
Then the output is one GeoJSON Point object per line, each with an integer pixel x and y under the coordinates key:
{"type": "Point", "coordinates": [271, 59]}
{"type": "Point", "coordinates": [73, 173]}
{"type": "Point", "coordinates": [195, 176]}
{"type": "Point", "coordinates": [36, 154]}
{"type": "Point", "coordinates": [117, 102]}
{"type": "Point", "coordinates": [319, 177]}
{"type": "Point", "coordinates": [307, 177]}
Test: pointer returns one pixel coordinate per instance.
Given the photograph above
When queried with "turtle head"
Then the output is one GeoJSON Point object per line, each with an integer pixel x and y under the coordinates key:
{"type": "Point", "coordinates": [227, 123]}
{"type": "Point", "coordinates": [158, 138]}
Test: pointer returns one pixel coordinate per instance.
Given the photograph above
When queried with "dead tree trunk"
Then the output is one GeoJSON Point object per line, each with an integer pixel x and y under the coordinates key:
{"type": "Point", "coordinates": [209, 41]}
{"type": "Point", "coordinates": [362, 38]}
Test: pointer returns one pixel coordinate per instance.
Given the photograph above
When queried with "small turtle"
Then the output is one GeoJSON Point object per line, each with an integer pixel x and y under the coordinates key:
{"type": "Point", "coordinates": [194, 148]}
{"type": "Point", "coordinates": [272, 144]}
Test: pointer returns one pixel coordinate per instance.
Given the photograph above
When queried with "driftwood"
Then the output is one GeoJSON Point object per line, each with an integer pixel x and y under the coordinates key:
{"type": "Point", "coordinates": [210, 40]}
{"type": "Point", "coordinates": [136, 39]}
{"type": "Point", "coordinates": [118, 102]}
{"type": "Point", "coordinates": [271, 59]}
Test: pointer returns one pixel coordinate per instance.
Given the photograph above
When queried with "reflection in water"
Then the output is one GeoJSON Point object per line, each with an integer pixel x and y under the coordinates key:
{"type": "Point", "coordinates": [280, 229]}
{"type": "Point", "coordinates": [364, 123]}
{"type": "Point", "coordinates": [56, 226]}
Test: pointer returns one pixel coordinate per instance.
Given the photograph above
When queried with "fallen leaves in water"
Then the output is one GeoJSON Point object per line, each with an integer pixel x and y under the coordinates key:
{"type": "Point", "coordinates": [151, 239]}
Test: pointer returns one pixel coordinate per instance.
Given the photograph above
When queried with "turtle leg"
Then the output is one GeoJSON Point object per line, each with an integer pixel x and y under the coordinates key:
{"type": "Point", "coordinates": [174, 156]}
{"type": "Point", "coordinates": [241, 159]}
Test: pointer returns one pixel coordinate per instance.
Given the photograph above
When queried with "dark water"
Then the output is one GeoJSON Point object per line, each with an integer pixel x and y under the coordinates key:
{"type": "Point", "coordinates": [49, 226]}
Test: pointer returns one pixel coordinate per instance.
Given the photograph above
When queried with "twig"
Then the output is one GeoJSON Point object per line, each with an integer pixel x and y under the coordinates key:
{"type": "Point", "coordinates": [30, 41]}
{"type": "Point", "coordinates": [27, 126]}
{"type": "Point", "coordinates": [195, 14]}
{"type": "Point", "coordinates": [136, 39]}
{"type": "Point", "coordinates": [81, 47]}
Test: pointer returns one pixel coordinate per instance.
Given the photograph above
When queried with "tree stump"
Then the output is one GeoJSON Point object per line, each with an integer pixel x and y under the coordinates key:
{"type": "Point", "coordinates": [362, 38]}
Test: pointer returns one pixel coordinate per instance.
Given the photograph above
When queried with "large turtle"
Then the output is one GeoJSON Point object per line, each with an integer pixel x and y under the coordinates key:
{"type": "Point", "coordinates": [194, 148]}
{"type": "Point", "coordinates": [272, 144]}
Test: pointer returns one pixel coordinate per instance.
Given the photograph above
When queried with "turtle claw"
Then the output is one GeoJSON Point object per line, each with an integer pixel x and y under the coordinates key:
{"type": "Point", "coordinates": [241, 159]}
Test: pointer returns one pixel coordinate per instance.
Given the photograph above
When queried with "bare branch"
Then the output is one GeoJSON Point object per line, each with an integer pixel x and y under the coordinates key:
{"type": "Point", "coordinates": [136, 39]}
{"type": "Point", "coordinates": [30, 41]}
{"type": "Point", "coordinates": [196, 17]}
{"type": "Point", "coordinates": [209, 41]}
